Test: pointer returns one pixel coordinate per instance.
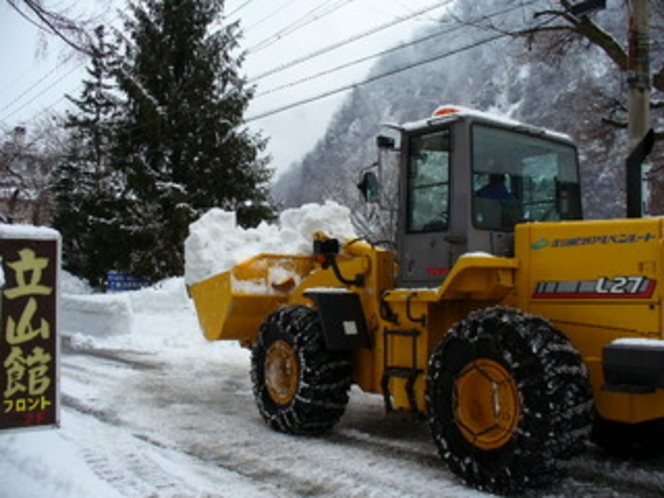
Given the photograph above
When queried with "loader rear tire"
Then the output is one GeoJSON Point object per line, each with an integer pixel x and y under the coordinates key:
{"type": "Point", "coordinates": [300, 386]}
{"type": "Point", "coordinates": [508, 398]}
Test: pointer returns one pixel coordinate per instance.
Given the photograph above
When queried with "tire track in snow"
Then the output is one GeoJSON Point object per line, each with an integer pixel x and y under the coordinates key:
{"type": "Point", "coordinates": [122, 461]}
{"type": "Point", "coordinates": [600, 475]}
{"type": "Point", "coordinates": [135, 466]}
{"type": "Point", "coordinates": [118, 357]}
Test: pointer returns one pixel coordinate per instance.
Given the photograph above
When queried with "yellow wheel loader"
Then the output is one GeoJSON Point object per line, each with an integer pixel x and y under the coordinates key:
{"type": "Point", "coordinates": [517, 329]}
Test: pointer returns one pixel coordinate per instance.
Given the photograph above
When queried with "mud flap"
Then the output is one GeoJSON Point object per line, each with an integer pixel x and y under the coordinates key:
{"type": "Point", "coordinates": [341, 315]}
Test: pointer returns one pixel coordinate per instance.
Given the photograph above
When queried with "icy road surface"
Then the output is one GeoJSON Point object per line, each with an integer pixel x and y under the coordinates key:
{"type": "Point", "coordinates": [156, 411]}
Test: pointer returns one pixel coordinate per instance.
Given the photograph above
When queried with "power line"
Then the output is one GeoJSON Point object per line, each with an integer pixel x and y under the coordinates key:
{"type": "Point", "coordinates": [345, 42]}
{"type": "Point", "coordinates": [346, 65]}
{"type": "Point", "coordinates": [355, 62]}
{"type": "Point", "coordinates": [69, 73]}
{"type": "Point", "coordinates": [319, 11]}
{"type": "Point", "coordinates": [30, 88]}
{"type": "Point", "coordinates": [55, 24]}
{"type": "Point", "coordinates": [231, 14]}
{"type": "Point", "coordinates": [13, 83]}
{"type": "Point", "coordinates": [299, 23]}
{"type": "Point", "coordinates": [392, 72]}
{"type": "Point", "coordinates": [46, 109]}
{"type": "Point", "coordinates": [350, 86]}
{"type": "Point", "coordinates": [374, 78]}
{"type": "Point", "coordinates": [35, 85]}
{"type": "Point", "coordinates": [48, 28]}
{"type": "Point", "coordinates": [269, 15]}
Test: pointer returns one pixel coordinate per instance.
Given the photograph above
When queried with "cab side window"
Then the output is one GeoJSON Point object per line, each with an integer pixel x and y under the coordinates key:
{"type": "Point", "coordinates": [428, 182]}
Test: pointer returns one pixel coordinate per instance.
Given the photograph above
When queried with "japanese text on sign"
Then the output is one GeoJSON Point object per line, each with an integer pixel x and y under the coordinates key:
{"type": "Point", "coordinates": [28, 351]}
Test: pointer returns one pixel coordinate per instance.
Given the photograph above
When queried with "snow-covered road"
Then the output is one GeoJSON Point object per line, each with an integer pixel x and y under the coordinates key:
{"type": "Point", "coordinates": [157, 411]}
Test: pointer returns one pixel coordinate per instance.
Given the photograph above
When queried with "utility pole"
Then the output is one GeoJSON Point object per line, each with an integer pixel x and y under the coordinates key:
{"type": "Point", "coordinates": [638, 75]}
{"type": "Point", "coordinates": [638, 80]}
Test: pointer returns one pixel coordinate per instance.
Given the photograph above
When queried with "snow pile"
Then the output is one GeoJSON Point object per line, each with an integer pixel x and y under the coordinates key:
{"type": "Point", "coordinates": [108, 315]}
{"type": "Point", "coordinates": [151, 319]}
{"type": "Point", "coordinates": [99, 315]}
{"type": "Point", "coordinates": [216, 244]}
{"type": "Point", "coordinates": [70, 284]}
{"type": "Point", "coordinates": [167, 296]}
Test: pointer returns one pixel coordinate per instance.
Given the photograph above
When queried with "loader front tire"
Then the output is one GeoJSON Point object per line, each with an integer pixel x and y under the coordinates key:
{"type": "Point", "coordinates": [300, 386]}
{"type": "Point", "coordinates": [508, 399]}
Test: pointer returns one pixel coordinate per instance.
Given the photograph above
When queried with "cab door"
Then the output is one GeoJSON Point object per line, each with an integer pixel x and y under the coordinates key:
{"type": "Point", "coordinates": [425, 245]}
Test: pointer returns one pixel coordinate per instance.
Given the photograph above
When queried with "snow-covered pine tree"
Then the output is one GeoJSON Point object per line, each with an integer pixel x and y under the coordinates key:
{"type": "Point", "coordinates": [88, 192]}
{"type": "Point", "coordinates": [183, 144]}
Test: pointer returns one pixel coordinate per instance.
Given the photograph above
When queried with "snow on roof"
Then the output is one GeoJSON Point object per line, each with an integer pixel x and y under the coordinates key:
{"type": "Point", "coordinates": [27, 232]}
{"type": "Point", "coordinates": [639, 342]}
{"type": "Point", "coordinates": [451, 112]}
{"type": "Point", "coordinates": [216, 244]}
{"type": "Point", "coordinates": [328, 290]}
{"type": "Point", "coordinates": [478, 254]}
{"type": "Point", "coordinates": [30, 232]}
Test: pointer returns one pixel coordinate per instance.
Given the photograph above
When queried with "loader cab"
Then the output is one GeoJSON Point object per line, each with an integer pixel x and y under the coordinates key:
{"type": "Point", "coordinates": [466, 179]}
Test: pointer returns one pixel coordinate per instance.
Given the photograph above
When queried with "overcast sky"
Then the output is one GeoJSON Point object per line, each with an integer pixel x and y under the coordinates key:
{"type": "Point", "coordinates": [37, 70]}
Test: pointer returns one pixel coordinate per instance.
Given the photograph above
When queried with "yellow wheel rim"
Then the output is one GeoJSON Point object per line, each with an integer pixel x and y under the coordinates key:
{"type": "Point", "coordinates": [282, 372]}
{"type": "Point", "coordinates": [486, 404]}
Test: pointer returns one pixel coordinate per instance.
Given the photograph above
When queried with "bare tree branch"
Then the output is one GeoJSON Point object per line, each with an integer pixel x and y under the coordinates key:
{"type": "Point", "coordinates": [604, 40]}
{"type": "Point", "coordinates": [555, 29]}
{"type": "Point", "coordinates": [615, 123]}
{"type": "Point", "coordinates": [583, 26]}
{"type": "Point", "coordinates": [73, 33]}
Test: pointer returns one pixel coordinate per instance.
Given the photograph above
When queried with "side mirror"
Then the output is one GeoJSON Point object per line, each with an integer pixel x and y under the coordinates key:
{"type": "Point", "coordinates": [369, 187]}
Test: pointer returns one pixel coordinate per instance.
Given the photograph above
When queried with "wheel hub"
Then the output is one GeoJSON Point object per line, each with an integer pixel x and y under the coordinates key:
{"type": "Point", "coordinates": [282, 372]}
{"type": "Point", "coordinates": [487, 406]}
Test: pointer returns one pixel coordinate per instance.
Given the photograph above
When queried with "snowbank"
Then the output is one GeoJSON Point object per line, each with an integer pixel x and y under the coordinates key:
{"type": "Point", "coordinates": [167, 296]}
{"type": "Point", "coordinates": [216, 244]}
{"type": "Point", "coordinates": [99, 315]}
{"type": "Point", "coordinates": [70, 284]}
{"type": "Point", "coordinates": [48, 464]}
{"type": "Point", "coordinates": [107, 315]}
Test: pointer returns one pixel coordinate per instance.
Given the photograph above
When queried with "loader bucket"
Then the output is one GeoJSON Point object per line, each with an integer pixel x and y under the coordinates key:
{"type": "Point", "coordinates": [233, 304]}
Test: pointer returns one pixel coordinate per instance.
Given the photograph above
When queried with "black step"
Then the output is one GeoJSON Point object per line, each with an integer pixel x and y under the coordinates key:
{"type": "Point", "coordinates": [410, 374]}
{"type": "Point", "coordinates": [626, 388]}
{"type": "Point", "coordinates": [402, 333]}
{"type": "Point", "coordinates": [402, 372]}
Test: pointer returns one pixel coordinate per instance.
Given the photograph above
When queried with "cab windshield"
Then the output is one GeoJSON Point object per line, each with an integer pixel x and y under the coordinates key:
{"type": "Point", "coordinates": [519, 177]}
